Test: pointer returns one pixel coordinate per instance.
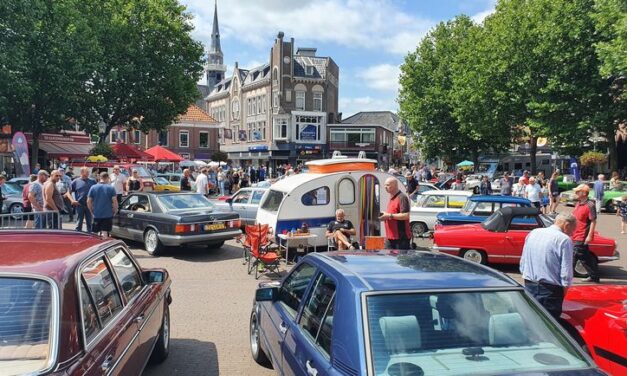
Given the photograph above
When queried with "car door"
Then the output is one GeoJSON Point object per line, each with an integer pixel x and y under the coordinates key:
{"type": "Point", "coordinates": [282, 312]}
{"type": "Point", "coordinates": [110, 333]}
{"type": "Point", "coordinates": [239, 204]}
{"type": "Point", "coordinates": [307, 345]}
{"type": "Point", "coordinates": [139, 216]}
{"type": "Point", "coordinates": [122, 219]}
{"type": "Point", "coordinates": [517, 232]}
{"type": "Point", "coordinates": [253, 206]}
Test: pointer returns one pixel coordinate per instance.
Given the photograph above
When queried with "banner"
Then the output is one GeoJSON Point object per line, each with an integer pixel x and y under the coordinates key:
{"type": "Point", "coordinates": [574, 168]}
{"type": "Point", "coordinates": [20, 146]}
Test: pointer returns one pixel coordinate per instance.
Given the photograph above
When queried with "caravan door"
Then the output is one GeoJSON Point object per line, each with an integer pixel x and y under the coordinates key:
{"type": "Point", "coordinates": [346, 193]}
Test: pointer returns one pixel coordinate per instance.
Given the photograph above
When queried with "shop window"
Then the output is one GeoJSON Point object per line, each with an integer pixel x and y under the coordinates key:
{"type": "Point", "coordinates": [203, 140]}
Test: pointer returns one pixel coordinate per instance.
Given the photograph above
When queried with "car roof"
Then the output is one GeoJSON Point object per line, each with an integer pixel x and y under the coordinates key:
{"type": "Point", "coordinates": [498, 198]}
{"type": "Point", "coordinates": [448, 192]}
{"type": "Point", "coordinates": [51, 253]}
{"type": "Point", "coordinates": [387, 270]}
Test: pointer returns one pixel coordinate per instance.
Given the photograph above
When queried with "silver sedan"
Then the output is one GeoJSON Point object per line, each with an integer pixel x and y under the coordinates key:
{"type": "Point", "coordinates": [244, 202]}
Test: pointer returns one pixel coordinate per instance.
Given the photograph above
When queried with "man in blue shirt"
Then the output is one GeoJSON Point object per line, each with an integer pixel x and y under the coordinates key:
{"type": "Point", "coordinates": [599, 191]}
{"type": "Point", "coordinates": [103, 204]}
{"type": "Point", "coordinates": [80, 187]}
{"type": "Point", "coordinates": [546, 263]}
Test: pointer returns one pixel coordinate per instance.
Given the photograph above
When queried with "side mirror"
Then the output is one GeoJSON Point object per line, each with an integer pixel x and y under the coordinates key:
{"type": "Point", "coordinates": [154, 276]}
{"type": "Point", "coordinates": [230, 200]}
{"type": "Point", "coordinates": [267, 294]}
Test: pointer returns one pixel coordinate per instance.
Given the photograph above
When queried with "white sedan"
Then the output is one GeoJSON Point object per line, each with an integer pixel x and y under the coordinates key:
{"type": "Point", "coordinates": [422, 217]}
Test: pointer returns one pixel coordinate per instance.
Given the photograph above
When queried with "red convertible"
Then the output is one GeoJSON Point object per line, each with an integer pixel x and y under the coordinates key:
{"type": "Point", "coordinates": [500, 238]}
{"type": "Point", "coordinates": [75, 304]}
{"type": "Point", "coordinates": [596, 316]}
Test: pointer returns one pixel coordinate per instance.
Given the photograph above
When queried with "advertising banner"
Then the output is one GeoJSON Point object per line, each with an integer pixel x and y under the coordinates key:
{"type": "Point", "coordinates": [20, 146]}
{"type": "Point", "coordinates": [309, 133]}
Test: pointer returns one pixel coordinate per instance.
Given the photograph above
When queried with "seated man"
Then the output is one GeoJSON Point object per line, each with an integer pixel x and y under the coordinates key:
{"type": "Point", "coordinates": [341, 230]}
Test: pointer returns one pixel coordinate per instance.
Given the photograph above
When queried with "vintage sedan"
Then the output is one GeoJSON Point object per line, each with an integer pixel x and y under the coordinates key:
{"type": "Point", "coordinates": [478, 208]}
{"type": "Point", "coordinates": [416, 313]}
{"type": "Point", "coordinates": [244, 202]}
{"type": "Point", "coordinates": [163, 185]}
{"type": "Point", "coordinates": [12, 193]}
{"type": "Point", "coordinates": [422, 216]}
{"type": "Point", "coordinates": [162, 219]}
{"type": "Point", "coordinates": [74, 304]}
{"type": "Point", "coordinates": [501, 237]}
{"type": "Point", "coordinates": [596, 316]}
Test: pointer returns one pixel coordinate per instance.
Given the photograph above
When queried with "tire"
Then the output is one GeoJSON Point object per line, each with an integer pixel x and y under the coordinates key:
{"type": "Point", "coordinates": [16, 208]}
{"type": "Point", "coordinates": [255, 343]}
{"type": "Point", "coordinates": [580, 272]}
{"type": "Point", "coordinates": [475, 255]}
{"type": "Point", "coordinates": [215, 245]}
{"type": "Point", "coordinates": [475, 190]}
{"type": "Point", "coordinates": [152, 244]}
{"type": "Point", "coordinates": [418, 229]}
{"type": "Point", "coordinates": [162, 347]}
{"type": "Point", "coordinates": [609, 207]}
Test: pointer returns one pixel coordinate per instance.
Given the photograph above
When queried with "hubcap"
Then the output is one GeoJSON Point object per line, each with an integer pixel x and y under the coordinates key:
{"type": "Point", "coordinates": [418, 229]}
{"type": "Point", "coordinates": [474, 256]}
{"type": "Point", "coordinates": [579, 268]}
{"type": "Point", "coordinates": [151, 240]}
{"type": "Point", "coordinates": [16, 209]}
{"type": "Point", "coordinates": [254, 335]}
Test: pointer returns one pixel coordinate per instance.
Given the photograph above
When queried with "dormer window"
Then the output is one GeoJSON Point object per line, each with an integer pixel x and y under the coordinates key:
{"type": "Point", "coordinates": [309, 70]}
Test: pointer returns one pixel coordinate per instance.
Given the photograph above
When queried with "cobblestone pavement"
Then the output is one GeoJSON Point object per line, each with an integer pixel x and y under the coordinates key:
{"type": "Point", "coordinates": [213, 296]}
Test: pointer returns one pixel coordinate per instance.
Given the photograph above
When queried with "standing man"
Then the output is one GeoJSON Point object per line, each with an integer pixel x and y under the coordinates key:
{"type": "Point", "coordinates": [202, 182]}
{"type": "Point", "coordinates": [2, 198]}
{"type": "Point", "coordinates": [586, 215]}
{"type": "Point", "coordinates": [413, 187]}
{"type": "Point", "coordinates": [553, 192]}
{"type": "Point", "coordinates": [36, 198]}
{"type": "Point", "coordinates": [186, 185]}
{"type": "Point", "coordinates": [599, 191]}
{"type": "Point", "coordinates": [80, 187]}
{"type": "Point", "coordinates": [103, 204]}
{"type": "Point", "coordinates": [63, 186]}
{"type": "Point", "coordinates": [524, 179]}
{"type": "Point", "coordinates": [53, 201]}
{"type": "Point", "coordinates": [118, 181]}
{"type": "Point", "coordinates": [485, 187]}
{"type": "Point", "coordinates": [546, 263]}
{"type": "Point", "coordinates": [533, 193]}
{"type": "Point", "coordinates": [222, 181]}
{"type": "Point", "coordinates": [507, 182]}
{"type": "Point", "coordinates": [396, 217]}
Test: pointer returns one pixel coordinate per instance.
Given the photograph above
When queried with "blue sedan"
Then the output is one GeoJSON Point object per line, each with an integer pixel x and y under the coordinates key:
{"type": "Point", "coordinates": [416, 313]}
{"type": "Point", "coordinates": [478, 208]}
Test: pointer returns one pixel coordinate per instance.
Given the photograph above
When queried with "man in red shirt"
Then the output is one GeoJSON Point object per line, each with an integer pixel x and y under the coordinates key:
{"type": "Point", "coordinates": [524, 179]}
{"type": "Point", "coordinates": [396, 217]}
{"type": "Point", "coordinates": [586, 215]}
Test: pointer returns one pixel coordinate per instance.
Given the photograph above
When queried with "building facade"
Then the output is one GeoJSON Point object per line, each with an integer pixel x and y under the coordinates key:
{"type": "Point", "coordinates": [278, 112]}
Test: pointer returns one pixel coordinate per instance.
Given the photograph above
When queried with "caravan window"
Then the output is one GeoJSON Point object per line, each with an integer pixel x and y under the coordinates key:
{"type": "Point", "coordinates": [272, 201]}
{"type": "Point", "coordinates": [346, 192]}
{"type": "Point", "coordinates": [318, 196]}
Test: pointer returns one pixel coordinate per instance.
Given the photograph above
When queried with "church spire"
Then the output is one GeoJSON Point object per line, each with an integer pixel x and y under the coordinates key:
{"type": "Point", "coordinates": [215, 67]}
{"type": "Point", "coordinates": [215, 34]}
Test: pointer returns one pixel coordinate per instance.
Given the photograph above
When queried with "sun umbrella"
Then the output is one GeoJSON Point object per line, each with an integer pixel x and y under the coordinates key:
{"type": "Point", "coordinates": [97, 158]}
{"type": "Point", "coordinates": [465, 164]}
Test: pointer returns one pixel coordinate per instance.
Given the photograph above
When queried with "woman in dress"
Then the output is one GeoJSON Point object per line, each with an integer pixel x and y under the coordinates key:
{"type": "Point", "coordinates": [622, 213]}
{"type": "Point", "coordinates": [134, 183]}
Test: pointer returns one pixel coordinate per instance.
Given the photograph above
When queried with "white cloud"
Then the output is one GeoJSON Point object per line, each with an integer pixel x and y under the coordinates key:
{"type": "Point", "coordinates": [479, 17]}
{"type": "Point", "coordinates": [381, 77]}
{"type": "Point", "coordinates": [350, 106]}
{"type": "Point", "coordinates": [372, 24]}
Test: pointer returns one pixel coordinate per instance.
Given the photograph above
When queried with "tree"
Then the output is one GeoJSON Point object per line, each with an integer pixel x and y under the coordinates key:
{"type": "Point", "coordinates": [149, 65]}
{"type": "Point", "coordinates": [610, 17]}
{"type": "Point", "coordinates": [219, 156]}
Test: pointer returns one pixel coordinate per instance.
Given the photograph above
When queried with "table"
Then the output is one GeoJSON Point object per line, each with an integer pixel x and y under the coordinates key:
{"type": "Point", "coordinates": [285, 240]}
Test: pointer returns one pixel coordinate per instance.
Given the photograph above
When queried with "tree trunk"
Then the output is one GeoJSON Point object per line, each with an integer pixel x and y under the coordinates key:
{"type": "Point", "coordinates": [613, 152]}
{"type": "Point", "coordinates": [475, 159]}
{"type": "Point", "coordinates": [533, 150]}
{"type": "Point", "coordinates": [35, 152]}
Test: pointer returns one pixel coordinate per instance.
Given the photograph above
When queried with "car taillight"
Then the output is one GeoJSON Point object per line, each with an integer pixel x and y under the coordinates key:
{"type": "Point", "coordinates": [235, 223]}
{"type": "Point", "coordinates": [185, 228]}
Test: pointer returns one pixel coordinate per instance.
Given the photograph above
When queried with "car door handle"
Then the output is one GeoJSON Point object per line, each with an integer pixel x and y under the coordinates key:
{"type": "Point", "coordinates": [107, 364]}
{"type": "Point", "coordinates": [311, 371]}
{"type": "Point", "coordinates": [139, 318]}
{"type": "Point", "coordinates": [130, 215]}
{"type": "Point", "coordinates": [283, 328]}
{"type": "Point", "coordinates": [508, 238]}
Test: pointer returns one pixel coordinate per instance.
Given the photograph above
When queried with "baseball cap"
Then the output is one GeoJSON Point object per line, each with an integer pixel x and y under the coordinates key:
{"type": "Point", "coordinates": [582, 187]}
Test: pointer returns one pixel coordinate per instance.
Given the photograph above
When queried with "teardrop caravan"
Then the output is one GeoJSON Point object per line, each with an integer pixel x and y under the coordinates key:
{"type": "Point", "coordinates": [352, 184]}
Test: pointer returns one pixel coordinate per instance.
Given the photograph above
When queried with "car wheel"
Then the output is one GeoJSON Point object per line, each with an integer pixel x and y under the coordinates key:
{"type": "Point", "coordinates": [580, 271]}
{"type": "Point", "coordinates": [16, 208]}
{"type": "Point", "coordinates": [162, 347]}
{"type": "Point", "coordinates": [255, 343]}
{"type": "Point", "coordinates": [609, 207]}
{"type": "Point", "coordinates": [475, 255]}
{"type": "Point", "coordinates": [475, 190]}
{"type": "Point", "coordinates": [418, 229]}
{"type": "Point", "coordinates": [215, 245]}
{"type": "Point", "coordinates": [152, 244]}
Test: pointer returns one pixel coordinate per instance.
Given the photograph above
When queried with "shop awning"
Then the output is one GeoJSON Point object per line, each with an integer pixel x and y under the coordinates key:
{"type": "Point", "coordinates": [65, 150]}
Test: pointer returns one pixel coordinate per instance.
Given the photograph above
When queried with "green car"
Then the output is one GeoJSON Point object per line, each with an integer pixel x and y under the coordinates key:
{"type": "Point", "coordinates": [569, 198]}
{"type": "Point", "coordinates": [566, 183]}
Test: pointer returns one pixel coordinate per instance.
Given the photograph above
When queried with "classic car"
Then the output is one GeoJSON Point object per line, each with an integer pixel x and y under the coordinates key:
{"type": "Point", "coordinates": [21, 181]}
{"type": "Point", "coordinates": [496, 183]}
{"type": "Point", "coordinates": [74, 304]}
{"type": "Point", "coordinates": [501, 237]}
{"type": "Point", "coordinates": [566, 182]}
{"type": "Point", "coordinates": [596, 316]}
{"type": "Point", "coordinates": [12, 193]}
{"type": "Point", "coordinates": [415, 313]}
{"type": "Point", "coordinates": [422, 216]}
{"type": "Point", "coordinates": [163, 185]}
{"type": "Point", "coordinates": [244, 202]}
{"type": "Point", "coordinates": [163, 219]}
{"type": "Point", "coordinates": [478, 208]}
{"type": "Point", "coordinates": [569, 198]}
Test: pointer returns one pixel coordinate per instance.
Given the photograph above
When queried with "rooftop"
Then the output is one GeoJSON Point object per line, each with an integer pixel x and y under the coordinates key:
{"type": "Point", "coordinates": [387, 119]}
{"type": "Point", "coordinates": [196, 114]}
{"type": "Point", "coordinates": [415, 270]}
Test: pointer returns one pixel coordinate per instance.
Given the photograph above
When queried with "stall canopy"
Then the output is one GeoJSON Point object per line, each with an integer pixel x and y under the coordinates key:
{"type": "Point", "coordinates": [68, 145]}
{"type": "Point", "coordinates": [161, 154]}
{"type": "Point", "coordinates": [124, 151]}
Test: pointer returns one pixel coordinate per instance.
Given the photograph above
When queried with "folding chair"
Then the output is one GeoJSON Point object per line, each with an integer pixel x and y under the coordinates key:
{"type": "Point", "coordinates": [259, 252]}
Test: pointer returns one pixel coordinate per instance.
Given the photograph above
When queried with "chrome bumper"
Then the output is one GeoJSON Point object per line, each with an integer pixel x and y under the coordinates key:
{"type": "Point", "coordinates": [175, 240]}
{"type": "Point", "coordinates": [614, 257]}
{"type": "Point", "coordinates": [445, 249]}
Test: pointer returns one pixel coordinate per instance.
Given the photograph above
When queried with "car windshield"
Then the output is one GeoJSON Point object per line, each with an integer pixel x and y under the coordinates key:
{"type": "Point", "coordinates": [456, 333]}
{"type": "Point", "coordinates": [185, 201]}
{"type": "Point", "coordinates": [26, 318]}
{"type": "Point", "coordinates": [141, 170]}
{"type": "Point", "coordinates": [469, 206]}
{"type": "Point", "coordinates": [162, 181]}
{"type": "Point", "coordinates": [10, 188]}
{"type": "Point", "coordinates": [272, 201]}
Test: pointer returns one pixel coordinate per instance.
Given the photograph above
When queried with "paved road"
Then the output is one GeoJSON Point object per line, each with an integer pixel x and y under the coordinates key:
{"type": "Point", "coordinates": [212, 300]}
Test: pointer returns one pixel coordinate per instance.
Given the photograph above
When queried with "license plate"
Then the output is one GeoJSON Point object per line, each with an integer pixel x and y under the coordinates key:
{"type": "Point", "coordinates": [215, 226]}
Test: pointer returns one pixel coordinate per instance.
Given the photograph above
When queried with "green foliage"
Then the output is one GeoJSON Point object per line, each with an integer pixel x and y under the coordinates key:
{"type": "Point", "coordinates": [103, 149]}
{"type": "Point", "coordinates": [611, 24]}
{"type": "Point", "coordinates": [219, 156]}
{"type": "Point", "coordinates": [593, 158]}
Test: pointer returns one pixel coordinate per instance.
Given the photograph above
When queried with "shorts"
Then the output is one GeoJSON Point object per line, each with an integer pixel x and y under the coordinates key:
{"type": "Point", "coordinates": [536, 204]}
{"type": "Point", "coordinates": [28, 209]}
{"type": "Point", "coordinates": [102, 224]}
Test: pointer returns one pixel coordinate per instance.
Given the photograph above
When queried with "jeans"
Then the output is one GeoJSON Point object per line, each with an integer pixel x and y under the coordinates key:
{"type": "Point", "coordinates": [397, 244]}
{"type": "Point", "coordinates": [551, 297]}
{"type": "Point", "coordinates": [69, 209]}
{"type": "Point", "coordinates": [53, 220]}
{"type": "Point", "coordinates": [82, 211]}
{"type": "Point", "coordinates": [582, 253]}
{"type": "Point", "coordinates": [222, 187]}
{"type": "Point", "coordinates": [40, 219]}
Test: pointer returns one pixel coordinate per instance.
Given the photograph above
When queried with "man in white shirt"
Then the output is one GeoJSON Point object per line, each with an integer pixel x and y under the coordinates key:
{"type": "Point", "coordinates": [202, 183]}
{"type": "Point", "coordinates": [118, 181]}
{"type": "Point", "coordinates": [533, 192]}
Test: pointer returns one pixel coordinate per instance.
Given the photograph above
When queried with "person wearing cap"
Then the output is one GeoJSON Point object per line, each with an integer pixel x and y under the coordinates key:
{"type": "Point", "coordinates": [36, 198]}
{"type": "Point", "coordinates": [63, 186]}
{"type": "Point", "coordinates": [507, 183]}
{"type": "Point", "coordinates": [586, 215]}
{"type": "Point", "coordinates": [413, 187]}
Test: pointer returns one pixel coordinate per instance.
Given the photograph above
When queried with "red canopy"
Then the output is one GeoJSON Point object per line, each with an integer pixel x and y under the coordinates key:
{"type": "Point", "coordinates": [125, 151]}
{"type": "Point", "coordinates": [161, 154]}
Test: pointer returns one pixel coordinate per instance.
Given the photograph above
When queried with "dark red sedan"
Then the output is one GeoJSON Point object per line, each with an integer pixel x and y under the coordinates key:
{"type": "Point", "coordinates": [74, 304]}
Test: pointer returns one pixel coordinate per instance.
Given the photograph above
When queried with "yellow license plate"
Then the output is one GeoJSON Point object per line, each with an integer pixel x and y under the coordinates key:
{"type": "Point", "coordinates": [215, 226]}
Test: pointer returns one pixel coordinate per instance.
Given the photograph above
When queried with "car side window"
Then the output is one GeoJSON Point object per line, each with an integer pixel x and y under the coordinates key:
{"type": "Point", "coordinates": [103, 289]}
{"type": "Point", "coordinates": [293, 288]}
{"type": "Point", "coordinates": [132, 200]}
{"type": "Point", "coordinates": [483, 209]}
{"type": "Point", "coordinates": [524, 223]}
{"type": "Point", "coordinates": [424, 188]}
{"type": "Point", "coordinates": [127, 273]}
{"type": "Point", "coordinates": [434, 201]}
{"type": "Point", "coordinates": [457, 202]}
{"type": "Point", "coordinates": [242, 198]}
{"type": "Point", "coordinates": [91, 326]}
{"type": "Point", "coordinates": [257, 195]}
{"type": "Point", "coordinates": [316, 317]}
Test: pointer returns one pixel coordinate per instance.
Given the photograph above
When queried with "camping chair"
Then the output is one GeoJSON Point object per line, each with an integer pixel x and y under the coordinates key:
{"type": "Point", "coordinates": [257, 244]}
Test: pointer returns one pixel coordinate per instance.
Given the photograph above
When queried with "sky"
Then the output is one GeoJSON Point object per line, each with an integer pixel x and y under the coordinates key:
{"type": "Point", "coordinates": [368, 39]}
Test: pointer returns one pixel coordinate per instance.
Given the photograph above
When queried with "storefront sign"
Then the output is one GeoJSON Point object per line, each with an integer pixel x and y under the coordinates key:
{"type": "Point", "coordinates": [309, 133]}
{"type": "Point", "coordinates": [258, 148]}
